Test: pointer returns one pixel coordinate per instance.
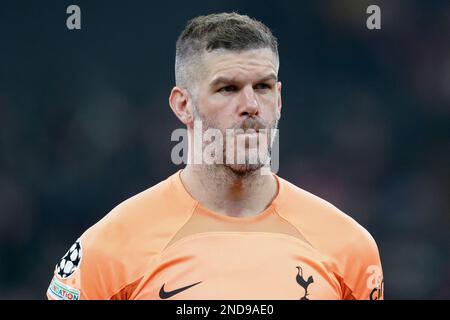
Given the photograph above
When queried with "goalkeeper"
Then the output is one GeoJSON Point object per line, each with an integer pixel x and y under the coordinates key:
{"type": "Point", "coordinates": [223, 230]}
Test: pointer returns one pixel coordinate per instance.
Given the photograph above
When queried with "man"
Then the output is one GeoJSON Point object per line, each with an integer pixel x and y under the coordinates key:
{"type": "Point", "coordinates": [223, 229]}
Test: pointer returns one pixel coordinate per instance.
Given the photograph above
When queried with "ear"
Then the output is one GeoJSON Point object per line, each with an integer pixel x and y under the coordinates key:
{"type": "Point", "coordinates": [179, 101]}
{"type": "Point", "coordinates": [279, 100]}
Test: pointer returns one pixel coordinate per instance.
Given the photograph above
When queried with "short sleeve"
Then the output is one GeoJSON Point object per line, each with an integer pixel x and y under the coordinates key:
{"type": "Point", "coordinates": [363, 273]}
{"type": "Point", "coordinates": [79, 274]}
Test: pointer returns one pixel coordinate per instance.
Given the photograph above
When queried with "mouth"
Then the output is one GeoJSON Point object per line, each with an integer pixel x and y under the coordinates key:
{"type": "Point", "coordinates": [253, 132]}
{"type": "Point", "coordinates": [252, 129]}
{"type": "Point", "coordinates": [252, 124]}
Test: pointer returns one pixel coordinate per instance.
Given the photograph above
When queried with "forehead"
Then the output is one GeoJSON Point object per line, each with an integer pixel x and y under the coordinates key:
{"type": "Point", "coordinates": [248, 63]}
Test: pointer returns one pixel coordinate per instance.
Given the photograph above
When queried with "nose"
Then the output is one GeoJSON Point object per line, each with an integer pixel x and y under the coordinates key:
{"type": "Point", "coordinates": [248, 105]}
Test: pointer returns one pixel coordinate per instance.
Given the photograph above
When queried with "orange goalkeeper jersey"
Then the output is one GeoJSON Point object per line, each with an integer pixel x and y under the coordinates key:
{"type": "Point", "coordinates": [163, 244]}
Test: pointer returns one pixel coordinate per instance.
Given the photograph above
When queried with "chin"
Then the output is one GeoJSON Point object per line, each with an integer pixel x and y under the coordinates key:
{"type": "Point", "coordinates": [244, 169]}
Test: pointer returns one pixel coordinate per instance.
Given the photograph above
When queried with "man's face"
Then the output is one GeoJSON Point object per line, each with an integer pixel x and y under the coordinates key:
{"type": "Point", "coordinates": [239, 90]}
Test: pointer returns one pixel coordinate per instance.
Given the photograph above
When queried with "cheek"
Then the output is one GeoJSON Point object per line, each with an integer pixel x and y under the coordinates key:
{"type": "Point", "coordinates": [269, 103]}
{"type": "Point", "coordinates": [222, 105]}
{"type": "Point", "coordinates": [222, 101]}
{"type": "Point", "coordinates": [218, 110]}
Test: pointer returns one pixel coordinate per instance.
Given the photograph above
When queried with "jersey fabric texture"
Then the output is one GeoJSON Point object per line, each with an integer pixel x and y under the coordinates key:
{"type": "Point", "coordinates": [163, 244]}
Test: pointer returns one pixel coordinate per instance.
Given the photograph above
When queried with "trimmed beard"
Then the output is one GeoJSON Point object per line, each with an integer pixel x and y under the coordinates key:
{"type": "Point", "coordinates": [240, 169]}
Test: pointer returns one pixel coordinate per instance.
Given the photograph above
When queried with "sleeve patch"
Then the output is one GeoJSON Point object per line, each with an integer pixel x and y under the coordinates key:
{"type": "Point", "coordinates": [60, 291]}
{"type": "Point", "coordinates": [70, 262]}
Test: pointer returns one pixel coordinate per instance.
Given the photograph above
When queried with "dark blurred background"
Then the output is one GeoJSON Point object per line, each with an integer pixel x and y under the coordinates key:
{"type": "Point", "coordinates": [85, 123]}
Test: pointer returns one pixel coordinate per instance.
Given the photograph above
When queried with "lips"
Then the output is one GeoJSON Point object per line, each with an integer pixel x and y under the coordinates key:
{"type": "Point", "coordinates": [251, 123]}
{"type": "Point", "coordinates": [249, 132]}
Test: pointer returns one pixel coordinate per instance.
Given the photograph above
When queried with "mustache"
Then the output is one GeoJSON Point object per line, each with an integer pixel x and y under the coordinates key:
{"type": "Point", "coordinates": [251, 123]}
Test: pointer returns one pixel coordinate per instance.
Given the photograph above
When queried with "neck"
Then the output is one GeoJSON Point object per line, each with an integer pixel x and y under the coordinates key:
{"type": "Point", "coordinates": [219, 189]}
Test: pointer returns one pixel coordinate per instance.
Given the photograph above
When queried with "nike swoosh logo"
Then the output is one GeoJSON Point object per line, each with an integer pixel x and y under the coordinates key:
{"type": "Point", "coordinates": [167, 294]}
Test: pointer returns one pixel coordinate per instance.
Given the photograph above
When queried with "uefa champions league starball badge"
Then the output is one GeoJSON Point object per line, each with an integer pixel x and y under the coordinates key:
{"type": "Point", "coordinates": [70, 262]}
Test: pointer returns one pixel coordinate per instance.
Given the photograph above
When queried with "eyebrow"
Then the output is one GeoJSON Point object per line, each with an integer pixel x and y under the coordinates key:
{"type": "Point", "coordinates": [225, 80]}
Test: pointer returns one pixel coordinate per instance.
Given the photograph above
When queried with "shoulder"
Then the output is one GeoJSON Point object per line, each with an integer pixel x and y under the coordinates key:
{"type": "Point", "coordinates": [114, 252]}
{"type": "Point", "coordinates": [330, 230]}
{"type": "Point", "coordinates": [349, 249]}
{"type": "Point", "coordinates": [313, 211]}
{"type": "Point", "coordinates": [140, 220]}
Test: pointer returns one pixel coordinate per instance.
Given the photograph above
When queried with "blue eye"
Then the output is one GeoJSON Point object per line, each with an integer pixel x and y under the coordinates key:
{"type": "Point", "coordinates": [228, 89]}
{"type": "Point", "coordinates": [262, 86]}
